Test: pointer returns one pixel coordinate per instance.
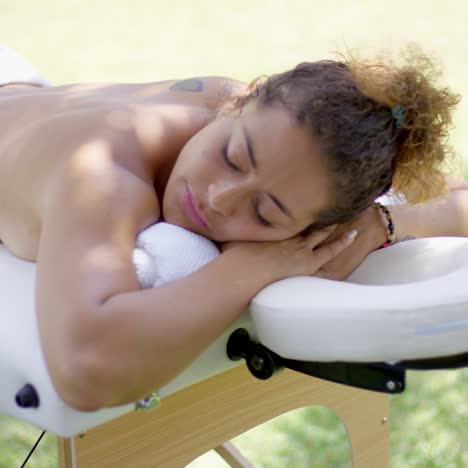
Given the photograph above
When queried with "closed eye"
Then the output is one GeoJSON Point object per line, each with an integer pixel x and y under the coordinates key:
{"type": "Point", "coordinates": [231, 165]}
{"type": "Point", "coordinates": [228, 161]}
{"type": "Point", "coordinates": [259, 217]}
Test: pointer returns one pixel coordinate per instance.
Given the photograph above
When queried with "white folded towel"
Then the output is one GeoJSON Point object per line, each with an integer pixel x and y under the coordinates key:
{"type": "Point", "coordinates": [165, 252]}
{"type": "Point", "coordinates": [15, 69]}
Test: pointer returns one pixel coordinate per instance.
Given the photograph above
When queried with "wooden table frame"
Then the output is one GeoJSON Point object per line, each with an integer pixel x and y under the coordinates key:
{"type": "Point", "coordinates": [208, 414]}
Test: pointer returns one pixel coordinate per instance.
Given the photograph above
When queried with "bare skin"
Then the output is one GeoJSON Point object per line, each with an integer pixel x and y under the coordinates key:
{"type": "Point", "coordinates": [83, 169]}
{"type": "Point", "coordinates": [57, 129]}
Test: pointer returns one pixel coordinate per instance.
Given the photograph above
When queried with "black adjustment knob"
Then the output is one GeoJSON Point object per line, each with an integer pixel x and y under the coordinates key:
{"type": "Point", "coordinates": [27, 397]}
{"type": "Point", "coordinates": [260, 362]}
{"type": "Point", "coordinates": [237, 345]}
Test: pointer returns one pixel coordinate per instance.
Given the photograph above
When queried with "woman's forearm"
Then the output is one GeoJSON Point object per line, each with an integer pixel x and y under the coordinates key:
{"type": "Point", "coordinates": [142, 339]}
{"type": "Point", "coordinates": [446, 215]}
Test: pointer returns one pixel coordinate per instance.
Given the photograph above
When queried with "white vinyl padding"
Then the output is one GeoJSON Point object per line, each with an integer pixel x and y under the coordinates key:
{"type": "Point", "coordinates": [409, 301]}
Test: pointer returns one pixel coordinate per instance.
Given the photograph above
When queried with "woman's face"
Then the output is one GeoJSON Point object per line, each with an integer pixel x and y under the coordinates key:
{"type": "Point", "coordinates": [253, 176]}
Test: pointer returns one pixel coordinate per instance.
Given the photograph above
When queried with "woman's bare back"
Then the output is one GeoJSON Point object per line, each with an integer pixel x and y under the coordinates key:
{"type": "Point", "coordinates": [41, 127]}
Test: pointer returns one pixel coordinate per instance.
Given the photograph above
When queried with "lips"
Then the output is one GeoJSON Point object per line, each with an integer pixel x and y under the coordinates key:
{"type": "Point", "coordinates": [192, 209]}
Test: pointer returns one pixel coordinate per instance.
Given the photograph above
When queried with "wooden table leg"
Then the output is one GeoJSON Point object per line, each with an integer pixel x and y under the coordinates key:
{"type": "Point", "coordinates": [205, 415]}
{"type": "Point", "coordinates": [66, 453]}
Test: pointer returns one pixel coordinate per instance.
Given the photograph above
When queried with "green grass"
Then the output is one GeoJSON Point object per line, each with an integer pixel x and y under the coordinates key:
{"type": "Point", "coordinates": [147, 40]}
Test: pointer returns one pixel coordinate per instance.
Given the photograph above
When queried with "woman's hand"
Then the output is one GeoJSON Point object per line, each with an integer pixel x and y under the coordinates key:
{"type": "Point", "coordinates": [445, 215]}
{"type": "Point", "coordinates": [298, 256]}
{"type": "Point", "coordinates": [371, 234]}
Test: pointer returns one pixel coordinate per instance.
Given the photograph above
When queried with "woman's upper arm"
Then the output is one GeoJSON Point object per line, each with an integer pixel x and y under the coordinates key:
{"type": "Point", "coordinates": [94, 209]}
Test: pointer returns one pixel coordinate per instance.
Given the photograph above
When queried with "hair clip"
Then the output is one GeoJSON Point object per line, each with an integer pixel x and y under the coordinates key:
{"type": "Point", "coordinates": [398, 114]}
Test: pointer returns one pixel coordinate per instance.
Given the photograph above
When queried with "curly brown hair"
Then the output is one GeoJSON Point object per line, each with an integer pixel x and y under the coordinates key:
{"type": "Point", "coordinates": [380, 124]}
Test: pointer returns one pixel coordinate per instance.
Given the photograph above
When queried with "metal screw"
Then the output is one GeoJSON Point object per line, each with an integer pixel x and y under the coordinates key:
{"type": "Point", "coordinates": [391, 385]}
{"type": "Point", "coordinates": [384, 420]}
{"type": "Point", "coordinates": [257, 363]}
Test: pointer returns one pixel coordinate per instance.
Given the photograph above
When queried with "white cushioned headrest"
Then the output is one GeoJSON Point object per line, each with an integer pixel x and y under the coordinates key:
{"type": "Point", "coordinates": [408, 301]}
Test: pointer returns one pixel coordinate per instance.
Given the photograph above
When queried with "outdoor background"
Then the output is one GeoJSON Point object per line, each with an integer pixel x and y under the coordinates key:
{"type": "Point", "coordinates": [143, 40]}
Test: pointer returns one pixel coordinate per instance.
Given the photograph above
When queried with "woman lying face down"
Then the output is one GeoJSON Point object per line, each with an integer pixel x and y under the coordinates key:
{"type": "Point", "coordinates": [265, 173]}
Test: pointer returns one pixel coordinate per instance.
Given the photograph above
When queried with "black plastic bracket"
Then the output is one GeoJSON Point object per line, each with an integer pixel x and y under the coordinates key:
{"type": "Point", "coordinates": [263, 363]}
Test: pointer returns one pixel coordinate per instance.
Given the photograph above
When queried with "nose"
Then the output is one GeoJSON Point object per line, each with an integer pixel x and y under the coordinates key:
{"type": "Point", "coordinates": [225, 197]}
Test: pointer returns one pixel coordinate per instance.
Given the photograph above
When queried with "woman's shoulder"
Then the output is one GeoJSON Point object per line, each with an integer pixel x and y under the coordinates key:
{"type": "Point", "coordinates": [208, 91]}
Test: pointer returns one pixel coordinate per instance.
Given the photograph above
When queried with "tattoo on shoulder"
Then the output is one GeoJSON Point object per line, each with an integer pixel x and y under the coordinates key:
{"type": "Point", "coordinates": [194, 85]}
{"type": "Point", "coordinates": [407, 238]}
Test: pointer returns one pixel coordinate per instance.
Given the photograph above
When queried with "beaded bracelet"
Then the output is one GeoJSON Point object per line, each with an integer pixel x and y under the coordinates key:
{"type": "Point", "coordinates": [390, 226]}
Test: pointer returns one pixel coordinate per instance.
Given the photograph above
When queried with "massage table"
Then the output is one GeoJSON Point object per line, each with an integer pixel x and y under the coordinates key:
{"type": "Point", "coordinates": [344, 345]}
{"type": "Point", "coordinates": [302, 341]}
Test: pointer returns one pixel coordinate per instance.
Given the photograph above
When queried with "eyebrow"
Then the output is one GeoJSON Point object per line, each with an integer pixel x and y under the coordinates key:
{"type": "Point", "coordinates": [253, 162]}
